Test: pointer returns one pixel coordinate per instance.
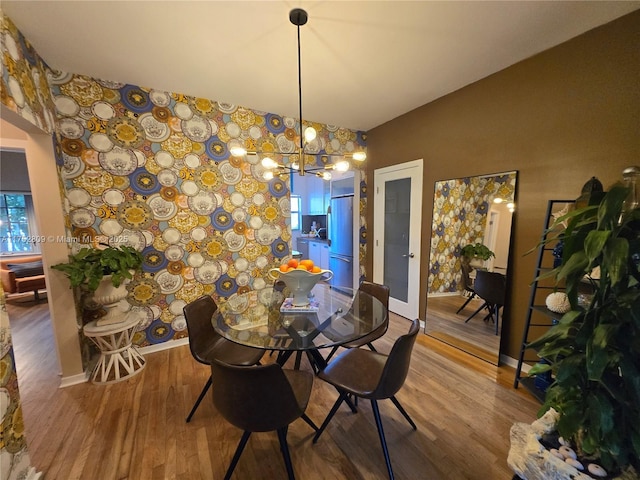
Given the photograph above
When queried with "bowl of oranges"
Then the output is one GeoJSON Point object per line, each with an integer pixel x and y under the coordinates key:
{"type": "Point", "coordinates": [300, 276]}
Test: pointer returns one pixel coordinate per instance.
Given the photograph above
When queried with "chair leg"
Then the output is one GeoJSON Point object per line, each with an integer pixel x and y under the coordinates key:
{"type": "Point", "coordinates": [309, 422]}
{"type": "Point", "coordinates": [465, 303]}
{"type": "Point", "coordinates": [282, 436]}
{"type": "Point", "coordinates": [475, 313]}
{"type": "Point", "coordinates": [403, 412]}
{"type": "Point", "coordinates": [371, 347]}
{"type": "Point", "coordinates": [383, 442]}
{"type": "Point", "coordinates": [202, 394]}
{"type": "Point", "coordinates": [333, 350]}
{"type": "Point", "coordinates": [334, 409]}
{"type": "Point", "coordinates": [236, 456]}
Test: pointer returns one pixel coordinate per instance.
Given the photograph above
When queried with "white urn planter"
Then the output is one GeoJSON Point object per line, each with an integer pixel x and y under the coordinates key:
{"type": "Point", "coordinates": [109, 297]}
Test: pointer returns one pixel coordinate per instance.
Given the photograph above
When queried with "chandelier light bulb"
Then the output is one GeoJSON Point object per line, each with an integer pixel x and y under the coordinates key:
{"type": "Point", "coordinates": [295, 166]}
{"type": "Point", "coordinates": [342, 166]}
{"type": "Point", "coordinates": [268, 163]}
{"type": "Point", "coordinates": [497, 200]}
{"type": "Point", "coordinates": [359, 156]}
{"type": "Point", "coordinates": [310, 134]}
{"type": "Point", "coordinates": [268, 175]}
{"type": "Point", "coordinates": [238, 151]}
{"type": "Point", "coordinates": [511, 205]}
{"type": "Point", "coordinates": [326, 175]}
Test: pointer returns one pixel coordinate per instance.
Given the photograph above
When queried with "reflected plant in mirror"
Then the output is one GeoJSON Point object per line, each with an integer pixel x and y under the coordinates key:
{"type": "Point", "coordinates": [472, 217]}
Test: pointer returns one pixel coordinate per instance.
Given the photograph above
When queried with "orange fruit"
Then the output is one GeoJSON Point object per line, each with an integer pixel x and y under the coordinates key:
{"type": "Point", "coordinates": [316, 269]}
{"type": "Point", "coordinates": [308, 264]}
{"type": "Point", "coordinates": [293, 263]}
{"type": "Point", "coordinates": [301, 267]}
{"type": "Point", "coordinates": [284, 267]}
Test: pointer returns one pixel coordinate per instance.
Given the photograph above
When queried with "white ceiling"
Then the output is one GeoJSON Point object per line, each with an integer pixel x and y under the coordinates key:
{"type": "Point", "coordinates": [363, 62]}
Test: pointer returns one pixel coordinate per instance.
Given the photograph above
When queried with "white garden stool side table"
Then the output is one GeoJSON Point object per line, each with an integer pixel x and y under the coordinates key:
{"type": "Point", "coordinates": [119, 359]}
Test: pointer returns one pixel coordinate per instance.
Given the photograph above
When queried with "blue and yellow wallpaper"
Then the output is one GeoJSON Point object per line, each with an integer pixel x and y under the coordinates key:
{"type": "Point", "coordinates": [152, 169]}
{"type": "Point", "coordinates": [460, 209]}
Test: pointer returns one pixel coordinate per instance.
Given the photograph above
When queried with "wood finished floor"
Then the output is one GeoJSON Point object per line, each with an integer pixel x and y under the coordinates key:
{"type": "Point", "coordinates": [477, 336]}
{"type": "Point", "coordinates": [135, 429]}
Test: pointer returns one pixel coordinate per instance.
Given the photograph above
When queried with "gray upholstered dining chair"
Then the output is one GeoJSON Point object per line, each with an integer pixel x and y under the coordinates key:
{"type": "Point", "coordinates": [367, 374]}
{"type": "Point", "coordinates": [261, 399]}
{"type": "Point", "coordinates": [206, 344]}
{"type": "Point", "coordinates": [381, 292]}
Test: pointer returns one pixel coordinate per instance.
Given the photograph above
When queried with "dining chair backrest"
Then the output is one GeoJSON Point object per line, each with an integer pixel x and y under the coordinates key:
{"type": "Point", "coordinates": [397, 365]}
{"type": "Point", "coordinates": [201, 332]}
{"type": "Point", "coordinates": [490, 286]}
{"type": "Point", "coordinates": [381, 292]}
{"type": "Point", "coordinates": [256, 398]}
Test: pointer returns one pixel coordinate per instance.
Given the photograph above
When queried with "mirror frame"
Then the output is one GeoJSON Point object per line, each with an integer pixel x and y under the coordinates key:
{"type": "Point", "coordinates": [460, 210]}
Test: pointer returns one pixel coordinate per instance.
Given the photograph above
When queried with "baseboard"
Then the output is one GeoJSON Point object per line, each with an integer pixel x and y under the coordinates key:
{"type": "Point", "coordinates": [163, 346]}
{"type": "Point", "coordinates": [75, 379]}
{"type": "Point", "coordinates": [512, 362]}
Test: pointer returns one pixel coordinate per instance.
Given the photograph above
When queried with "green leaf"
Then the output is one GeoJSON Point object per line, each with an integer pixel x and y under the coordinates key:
{"type": "Point", "coordinates": [611, 207]}
{"type": "Point", "coordinates": [594, 243]}
{"type": "Point", "coordinates": [616, 253]}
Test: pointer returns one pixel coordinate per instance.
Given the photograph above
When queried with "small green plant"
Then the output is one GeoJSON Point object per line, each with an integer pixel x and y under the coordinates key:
{"type": "Point", "coordinates": [476, 250]}
{"type": "Point", "coordinates": [594, 351]}
{"type": "Point", "coordinates": [86, 268]}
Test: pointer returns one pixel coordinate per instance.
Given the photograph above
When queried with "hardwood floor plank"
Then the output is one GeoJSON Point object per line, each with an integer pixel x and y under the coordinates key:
{"type": "Point", "coordinates": [136, 429]}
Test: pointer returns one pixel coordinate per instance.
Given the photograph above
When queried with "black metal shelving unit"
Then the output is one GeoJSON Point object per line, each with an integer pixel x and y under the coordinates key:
{"type": "Point", "coordinates": [539, 317]}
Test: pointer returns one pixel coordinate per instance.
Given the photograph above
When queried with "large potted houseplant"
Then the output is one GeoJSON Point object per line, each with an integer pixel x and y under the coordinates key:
{"type": "Point", "coordinates": [593, 352]}
{"type": "Point", "coordinates": [101, 275]}
{"type": "Point", "coordinates": [476, 254]}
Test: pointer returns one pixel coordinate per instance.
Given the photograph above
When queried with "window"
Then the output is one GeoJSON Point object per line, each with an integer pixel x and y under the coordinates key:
{"type": "Point", "coordinates": [296, 212]}
{"type": "Point", "coordinates": [17, 230]}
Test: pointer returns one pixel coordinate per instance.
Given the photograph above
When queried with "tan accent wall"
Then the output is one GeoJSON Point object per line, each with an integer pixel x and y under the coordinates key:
{"type": "Point", "coordinates": [560, 117]}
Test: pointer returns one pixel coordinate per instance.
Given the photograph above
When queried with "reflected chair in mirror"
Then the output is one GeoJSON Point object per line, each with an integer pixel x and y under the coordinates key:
{"type": "Point", "coordinates": [206, 344]}
{"type": "Point", "coordinates": [261, 399]}
{"type": "Point", "coordinates": [381, 292]}
{"type": "Point", "coordinates": [491, 288]}
{"type": "Point", "coordinates": [371, 375]}
{"type": "Point", "coordinates": [467, 284]}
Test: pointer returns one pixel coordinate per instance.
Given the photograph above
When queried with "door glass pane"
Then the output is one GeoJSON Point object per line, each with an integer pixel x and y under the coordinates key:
{"type": "Point", "coordinates": [397, 197]}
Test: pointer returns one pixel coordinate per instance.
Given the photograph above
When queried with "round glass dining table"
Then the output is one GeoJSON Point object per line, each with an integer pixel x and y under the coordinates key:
{"type": "Point", "coordinates": [337, 316]}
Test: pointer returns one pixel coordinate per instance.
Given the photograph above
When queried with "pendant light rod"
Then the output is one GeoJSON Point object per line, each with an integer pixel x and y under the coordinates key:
{"type": "Point", "coordinates": [299, 17]}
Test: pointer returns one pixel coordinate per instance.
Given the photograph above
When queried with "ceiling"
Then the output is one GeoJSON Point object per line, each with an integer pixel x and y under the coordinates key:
{"type": "Point", "coordinates": [363, 62]}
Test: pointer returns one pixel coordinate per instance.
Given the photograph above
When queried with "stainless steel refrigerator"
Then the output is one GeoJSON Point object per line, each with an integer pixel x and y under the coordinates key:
{"type": "Point", "coordinates": [341, 235]}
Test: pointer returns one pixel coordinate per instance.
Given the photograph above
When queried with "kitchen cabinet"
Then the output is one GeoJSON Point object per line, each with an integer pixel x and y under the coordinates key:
{"type": "Point", "coordinates": [319, 253]}
{"type": "Point", "coordinates": [314, 194]}
{"type": "Point", "coordinates": [303, 247]}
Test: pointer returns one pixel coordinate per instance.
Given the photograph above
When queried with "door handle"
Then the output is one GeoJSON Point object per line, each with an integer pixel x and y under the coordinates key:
{"type": "Point", "coordinates": [411, 255]}
{"type": "Point", "coordinates": [342, 259]}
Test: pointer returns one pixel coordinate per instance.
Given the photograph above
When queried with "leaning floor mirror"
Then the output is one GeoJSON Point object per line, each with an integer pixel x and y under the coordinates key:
{"type": "Point", "coordinates": [470, 211]}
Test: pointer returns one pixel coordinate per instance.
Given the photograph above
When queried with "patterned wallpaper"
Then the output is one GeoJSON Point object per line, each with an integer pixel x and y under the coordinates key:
{"type": "Point", "coordinates": [459, 217]}
{"type": "Point", "coordinates": [152, 169]}
{"type": "Point", "coordinates": [23, 87]}
{"type": "Point", "coordinates": [14, 457]}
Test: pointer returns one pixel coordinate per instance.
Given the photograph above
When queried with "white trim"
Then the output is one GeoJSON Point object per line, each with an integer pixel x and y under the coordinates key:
{"type": "Point", "coordinates": [159, 347]}
{"type": "Point", "coordinates": [512, 362]}
{"type": "Point", "coordinates": [74, 379]}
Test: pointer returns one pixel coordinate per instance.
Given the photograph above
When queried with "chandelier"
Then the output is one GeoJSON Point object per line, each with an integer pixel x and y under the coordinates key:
{"type": "Point", "coordinates": [299, 17]}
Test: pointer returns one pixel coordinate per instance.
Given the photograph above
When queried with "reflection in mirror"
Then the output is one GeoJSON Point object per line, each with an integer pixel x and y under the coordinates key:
{"type": "Point", "coordinates": [469, 210]}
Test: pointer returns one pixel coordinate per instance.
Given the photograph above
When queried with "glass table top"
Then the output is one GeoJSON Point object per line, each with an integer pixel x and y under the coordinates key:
{"type": "Point", "coordinates": [255, 319]}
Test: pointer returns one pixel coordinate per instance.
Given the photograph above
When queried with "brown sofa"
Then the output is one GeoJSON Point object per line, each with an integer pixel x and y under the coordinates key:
{"type": "Point", "coordinates": [22, 274]}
